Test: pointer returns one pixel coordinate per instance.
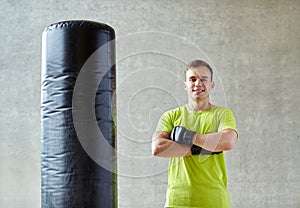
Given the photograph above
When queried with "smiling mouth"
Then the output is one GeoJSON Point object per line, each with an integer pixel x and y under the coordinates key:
{"type": "Point", "coordinates": [198, 91]}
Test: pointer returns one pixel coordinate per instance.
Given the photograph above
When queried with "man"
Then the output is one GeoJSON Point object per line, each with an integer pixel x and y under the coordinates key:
{"type": "Point", "coordinates": [194, 137]}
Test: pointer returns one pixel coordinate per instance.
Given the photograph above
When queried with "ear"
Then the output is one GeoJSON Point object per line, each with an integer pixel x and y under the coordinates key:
{"type": "Point", "coordinates": [184, 85]}
{"type": "Point", "coordinates": [212, 85]}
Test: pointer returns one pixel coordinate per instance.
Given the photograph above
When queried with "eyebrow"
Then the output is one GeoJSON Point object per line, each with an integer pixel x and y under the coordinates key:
{"type": "Point", "coordinates": [202, 77]}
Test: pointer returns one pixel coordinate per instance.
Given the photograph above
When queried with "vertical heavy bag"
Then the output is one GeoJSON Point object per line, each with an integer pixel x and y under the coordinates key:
{"type": "Point", "coordinates": [73, 174]}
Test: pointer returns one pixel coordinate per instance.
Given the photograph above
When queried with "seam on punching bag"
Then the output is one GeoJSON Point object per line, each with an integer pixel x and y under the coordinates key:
{"type": "Point", "coordinates": [80, 24]}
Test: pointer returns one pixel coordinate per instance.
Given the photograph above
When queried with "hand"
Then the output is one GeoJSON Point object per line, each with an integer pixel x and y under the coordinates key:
{"type": "Point", "coordinates": [181, 135]}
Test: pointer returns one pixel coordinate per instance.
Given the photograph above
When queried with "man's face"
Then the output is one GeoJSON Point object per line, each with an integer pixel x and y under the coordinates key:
{"type": "Point", "coordinates": [198, 83]}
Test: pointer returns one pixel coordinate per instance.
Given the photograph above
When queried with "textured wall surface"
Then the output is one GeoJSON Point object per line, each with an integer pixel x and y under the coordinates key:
{"type": "Point", "coordinates": [254, 47]}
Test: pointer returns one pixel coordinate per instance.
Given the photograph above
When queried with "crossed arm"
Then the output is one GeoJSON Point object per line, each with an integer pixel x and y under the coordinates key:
{"type": "Point", "coordinates": [215, 142]}
{"type": "Point", "coordinates": [163, 147]}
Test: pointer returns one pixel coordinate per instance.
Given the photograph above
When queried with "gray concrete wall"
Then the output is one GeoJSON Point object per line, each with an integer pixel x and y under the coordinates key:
{"type": "Point", "coordinates": [254, 47]}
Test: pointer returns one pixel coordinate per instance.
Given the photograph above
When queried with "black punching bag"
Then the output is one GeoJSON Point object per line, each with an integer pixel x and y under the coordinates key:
{"type": "Point", "coordinates": [77, 115]}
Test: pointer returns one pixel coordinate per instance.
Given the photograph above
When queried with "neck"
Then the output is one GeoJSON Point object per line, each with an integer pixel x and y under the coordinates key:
{"type": "Point", "coordinates": [199, 105]}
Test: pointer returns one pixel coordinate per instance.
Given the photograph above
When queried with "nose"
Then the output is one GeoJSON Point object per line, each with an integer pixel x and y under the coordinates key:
{"type": "Point", "coordinates": [198, 82]}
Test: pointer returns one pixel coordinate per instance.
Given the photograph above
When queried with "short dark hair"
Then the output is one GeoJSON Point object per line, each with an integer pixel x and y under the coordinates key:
{"type": "Point", "coordinates": [197, 64]}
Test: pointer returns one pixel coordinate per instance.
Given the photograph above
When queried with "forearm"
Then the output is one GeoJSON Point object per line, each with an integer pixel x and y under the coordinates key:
{"type": "Point", "coordinates": [163, 147]}
{"type": "Point", "coordinates": [217, 141]}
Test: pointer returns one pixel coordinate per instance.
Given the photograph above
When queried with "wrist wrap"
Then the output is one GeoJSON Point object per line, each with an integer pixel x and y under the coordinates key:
{"type": "Point", "coordinates": [196, 150]}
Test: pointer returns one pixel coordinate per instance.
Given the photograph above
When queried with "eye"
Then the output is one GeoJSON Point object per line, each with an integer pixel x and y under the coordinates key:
{"type": "Point", "coordinates": [193, 79]}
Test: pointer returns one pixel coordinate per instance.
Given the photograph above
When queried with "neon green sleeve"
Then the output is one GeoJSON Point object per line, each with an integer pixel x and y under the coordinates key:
{"type": "Point", "coordinates": [165, 123]}
{"type": "Point", "coordinates": [227, 121]}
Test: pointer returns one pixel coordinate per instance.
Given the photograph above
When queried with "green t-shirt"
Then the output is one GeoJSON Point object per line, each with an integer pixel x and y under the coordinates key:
{"type": "Point", "coordinates": [197, 180]}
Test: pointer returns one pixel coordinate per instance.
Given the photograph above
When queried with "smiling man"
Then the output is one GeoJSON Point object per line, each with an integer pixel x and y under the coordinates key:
{"type": "Point", "coordinates": [194, 137]}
